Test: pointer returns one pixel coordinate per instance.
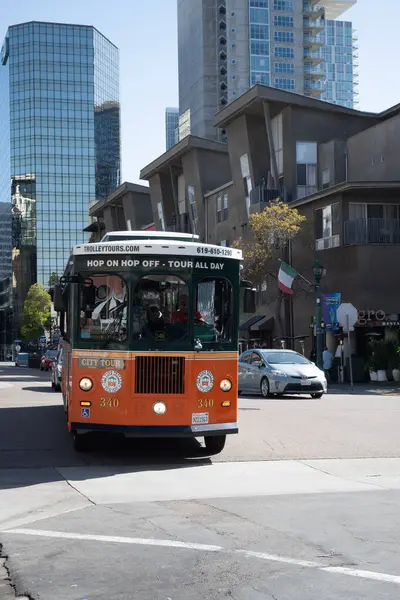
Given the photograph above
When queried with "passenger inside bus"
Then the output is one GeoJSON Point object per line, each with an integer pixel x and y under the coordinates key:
{"type": "Point", "coordinates": [181, 314]}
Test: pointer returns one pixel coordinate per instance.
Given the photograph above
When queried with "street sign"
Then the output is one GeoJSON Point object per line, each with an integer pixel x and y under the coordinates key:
{"type": "Point", "coordinates": [42, 339]}
{"type": "Point", "coordinates": [347, 315]}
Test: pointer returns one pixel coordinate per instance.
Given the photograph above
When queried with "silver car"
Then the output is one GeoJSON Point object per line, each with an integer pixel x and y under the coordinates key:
{"type": "Point", "coordinates": [278, 372]}
{"type": "Point", "coordinates": [56, 373]}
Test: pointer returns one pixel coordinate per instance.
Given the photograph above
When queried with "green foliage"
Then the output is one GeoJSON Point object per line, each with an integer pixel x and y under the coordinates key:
{"type": "Point", "coordinates": [53, 280]}
{"type": "Point", "coordinates": [37, 313]}
{"type": "Point", "coordinates": [272, 229]}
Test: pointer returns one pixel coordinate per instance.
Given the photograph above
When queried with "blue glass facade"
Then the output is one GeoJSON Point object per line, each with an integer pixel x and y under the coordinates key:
{"type": "Point", "coordinates": [259, 41]}
{"type": "Point", "coordinates": [60, 89]}
{"type": "Point", "coordinates": [338, 53]}
{"type": "Point", "coordinates": [171, 127]}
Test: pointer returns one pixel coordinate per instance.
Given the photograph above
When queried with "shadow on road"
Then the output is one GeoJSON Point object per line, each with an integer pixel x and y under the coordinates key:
{"type": "Point", "coordinates": [40, 388]}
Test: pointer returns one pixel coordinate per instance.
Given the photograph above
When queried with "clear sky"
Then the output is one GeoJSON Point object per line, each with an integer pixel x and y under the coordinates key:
{"type": "Point", "coordinates": [145, 33]}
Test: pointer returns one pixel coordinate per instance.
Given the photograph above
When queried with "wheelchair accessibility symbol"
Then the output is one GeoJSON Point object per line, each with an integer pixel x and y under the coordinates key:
{"type": "Point", "coordinates": [85, 413]}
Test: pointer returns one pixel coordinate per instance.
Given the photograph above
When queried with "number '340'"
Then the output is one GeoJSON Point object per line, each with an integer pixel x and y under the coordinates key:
{"type": "Point", "coordinates": [109, 402]}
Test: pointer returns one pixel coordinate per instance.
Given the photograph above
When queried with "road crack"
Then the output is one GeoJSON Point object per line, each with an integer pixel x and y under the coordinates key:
{"type": "Point", "coordinates": [75, 488]}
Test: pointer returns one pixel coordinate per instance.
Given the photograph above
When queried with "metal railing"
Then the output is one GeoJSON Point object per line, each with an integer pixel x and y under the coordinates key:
{"type": "Point", "coordinates": [372, 231]}
{"type": "Point", "coordinates": [261, 194]}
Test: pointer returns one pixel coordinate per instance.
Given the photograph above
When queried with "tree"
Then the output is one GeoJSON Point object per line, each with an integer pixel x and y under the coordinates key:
{"type": "Point", "coordinates": [272, 230]}
{"type": "Point", "coordinates": [37, 313]}
{"type": "Point", "coordinates": [53, 280]}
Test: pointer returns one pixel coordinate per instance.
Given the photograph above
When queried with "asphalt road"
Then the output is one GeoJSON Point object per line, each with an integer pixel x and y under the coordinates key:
{"type": "Point", "coordinates": [303, 504]}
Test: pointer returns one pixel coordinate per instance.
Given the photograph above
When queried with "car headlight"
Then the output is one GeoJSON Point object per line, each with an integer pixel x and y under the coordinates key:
{"type": "Point", "coordinates": [159, 408]}
{"type": "Point", "coordinates": [279, 373]}
{"type": "Point", "coordinates": [86, 384]}
{"type": "Point", "coordinates": [226, 385]}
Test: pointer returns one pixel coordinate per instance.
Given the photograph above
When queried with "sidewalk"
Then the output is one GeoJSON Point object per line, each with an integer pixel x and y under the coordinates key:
{"type": "Point", "coordinates": [365, 389]}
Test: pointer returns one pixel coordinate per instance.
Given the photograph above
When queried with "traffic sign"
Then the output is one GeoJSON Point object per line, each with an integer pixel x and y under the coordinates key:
{"type": "Point", "coordinates": [347, 315]}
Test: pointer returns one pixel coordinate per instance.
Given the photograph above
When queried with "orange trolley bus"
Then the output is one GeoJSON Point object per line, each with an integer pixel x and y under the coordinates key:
{"type": "Point", "coordinates": [150, 329]}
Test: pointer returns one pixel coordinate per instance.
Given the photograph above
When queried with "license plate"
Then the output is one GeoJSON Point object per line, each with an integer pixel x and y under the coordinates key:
{"type": "Point", "coordinates": [198, 418]}
{"type": "Point", "coordinates": [305, 382]}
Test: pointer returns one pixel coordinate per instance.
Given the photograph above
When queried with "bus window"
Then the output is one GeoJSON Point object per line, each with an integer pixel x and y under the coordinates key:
{"type": "Point", "coordinates": [157, 313]}
{"type": "Point", "coordinates": [214, 302]}
{"type": "Point", "coordinates": [105, 317]}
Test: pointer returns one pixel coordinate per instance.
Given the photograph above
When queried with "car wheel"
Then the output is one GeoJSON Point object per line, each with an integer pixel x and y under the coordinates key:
{"type": "Point", "coordinates": [215, 443]}
{"type": "Point", "coordinates": [318, 395]}
{"type": "Point", "coordinates": [264, 387]}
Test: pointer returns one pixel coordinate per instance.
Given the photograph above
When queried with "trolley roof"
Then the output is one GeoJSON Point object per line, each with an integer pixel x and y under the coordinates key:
{"type": "Point", "coordinates": [142, 242]}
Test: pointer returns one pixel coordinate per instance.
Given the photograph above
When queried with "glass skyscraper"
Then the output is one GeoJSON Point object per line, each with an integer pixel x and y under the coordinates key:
{"type": "Point", "coordinates": [59, 140]}
{"type": "Point", "coordinates": [227, 46]}
{"type": "Point", "coordinates": [171, 127]}
{"type": "Point", "coordinates": [339, 55]}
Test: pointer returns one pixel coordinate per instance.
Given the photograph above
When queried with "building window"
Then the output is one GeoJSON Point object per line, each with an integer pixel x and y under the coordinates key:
{"type": "Point", "coordinates": [259, 47]}
{"type": "Point", "coordinates": [326, 178]}
{"type": "Point", "coordinates": [283, 83]}
{"type": "Point", "coordinates": [284, 36]}
{"type": "Point", "coordinates": [284, 5]}
{"type": "Point", "coordinates": [258, 31]}
{"type": "Point", "coordinates": [222, 208]}
{"type": "Point", "coordinates": [259, 3]}
{"type": "Point", "coordinates": [277, 136]}
{"type": "Point", "coordinates": [160, 212]}
{"type": "Point", "coordinates": [327, 227]}
{"type": "Point", "coordinates": [306, 159]}
{"type": "Point", "coordinates": [284, 67]}
{"type": "Point", "coordinates": [261, 78]}
{"type": "Point", "coordinates": [193, 209]}
{"type": "Point", "coordinates": [283, 21]}
{"type": "Point", "coordinates": [283, 52]}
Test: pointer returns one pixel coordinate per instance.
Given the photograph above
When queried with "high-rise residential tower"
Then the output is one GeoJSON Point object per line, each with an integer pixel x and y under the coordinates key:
{"type": "Point", "coordinates": [171, 127]}
{"type": "Point", "coordinates": [227, 46]}
{"type": "Point", "coordinates": [59, 140]}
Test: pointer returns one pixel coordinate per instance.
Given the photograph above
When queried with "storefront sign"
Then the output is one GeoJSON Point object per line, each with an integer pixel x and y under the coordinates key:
{"type": "Point", "coordinates": [330, 304]}
{"type": "Point", "coordinates": [371, 318]}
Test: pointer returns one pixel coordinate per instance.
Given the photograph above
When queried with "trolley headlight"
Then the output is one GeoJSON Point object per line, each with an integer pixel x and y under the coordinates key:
{"type": "Point", "coordinates": [86, 384]}
{"type": "Point", "coordinates": [159, 408]}
{"type": "Point", "coordinates": [226, 385]}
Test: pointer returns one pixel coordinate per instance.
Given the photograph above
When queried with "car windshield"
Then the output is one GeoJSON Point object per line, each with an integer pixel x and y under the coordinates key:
{"type": "Point", "coordinates": [51, 353]}
{"type": "Point", "coordinates": [285, 358]}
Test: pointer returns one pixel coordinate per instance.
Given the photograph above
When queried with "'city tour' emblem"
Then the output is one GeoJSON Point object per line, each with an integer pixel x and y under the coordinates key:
{"type": "Point", "coordinates": [205, 381]}
{"type": "Point", "coordinates": [111, 382]}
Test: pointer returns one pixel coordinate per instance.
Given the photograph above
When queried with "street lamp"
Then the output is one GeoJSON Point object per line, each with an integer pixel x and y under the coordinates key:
{"type": "Point", "coordinates": [319, 271]}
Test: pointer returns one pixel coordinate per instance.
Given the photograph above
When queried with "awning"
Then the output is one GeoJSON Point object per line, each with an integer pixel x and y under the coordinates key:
{"type": "Point", "coordinates": [246, 325]}
{"type": "Point", "coordinates": [266, 323]}
{"type": "Point", "coordinates": [95, 227]}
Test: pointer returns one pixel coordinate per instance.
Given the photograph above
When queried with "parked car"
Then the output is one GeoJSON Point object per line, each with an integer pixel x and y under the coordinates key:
{"type": "Point", "coordinates": [47, 360]}
{"type": "Point", "coordinates": [279, 372]}
{"type": "Point", "coordinates": [56, 373]}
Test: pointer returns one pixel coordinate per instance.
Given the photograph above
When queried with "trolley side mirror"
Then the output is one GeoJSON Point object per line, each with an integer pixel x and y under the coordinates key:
{"type": "Point", "coordinates": [58, 299]}
{"type": "Point", "coordinates": [249, 301]}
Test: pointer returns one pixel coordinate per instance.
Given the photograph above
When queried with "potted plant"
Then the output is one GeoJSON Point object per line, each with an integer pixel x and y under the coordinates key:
{"type": "Point", "coordinates": [380, 355]}
{"type": "Point", "coordinates": [371, 367]}
{"type": "Point", "coordinates": [396, 365]}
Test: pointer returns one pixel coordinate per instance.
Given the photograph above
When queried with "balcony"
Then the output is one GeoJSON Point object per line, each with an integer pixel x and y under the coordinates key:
{"type": "Point", "coordinates": [313, 25]}
{"type": "Point", "coordinates": [314, 90]}
{"type": "Point", "coordinates": [312, 41]}
{"type": "Point", "coordinates": [371, 231]}
{"type": "Point", "coordinates": [314, 74]}
{"type": "Point", "coordinates": [313, 58]}
{"type": "Point", "coordinates": [313, 12]}
{"type": "Point", "coordinates": [261, 195]}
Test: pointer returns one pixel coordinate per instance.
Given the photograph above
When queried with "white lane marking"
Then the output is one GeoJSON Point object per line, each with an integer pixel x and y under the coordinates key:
{"type": "Point", "coordinates": [363, 574]}
{"type": "Point", "coordinates": [372, 575]}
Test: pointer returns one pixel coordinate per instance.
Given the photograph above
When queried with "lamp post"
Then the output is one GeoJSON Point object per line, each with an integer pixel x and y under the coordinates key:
{"type": "Point", "coordinates": [319, 272]}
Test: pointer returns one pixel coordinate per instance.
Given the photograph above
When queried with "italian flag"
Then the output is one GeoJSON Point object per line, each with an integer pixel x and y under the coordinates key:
{"type": "Point", "coordinates": [286, 277]}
